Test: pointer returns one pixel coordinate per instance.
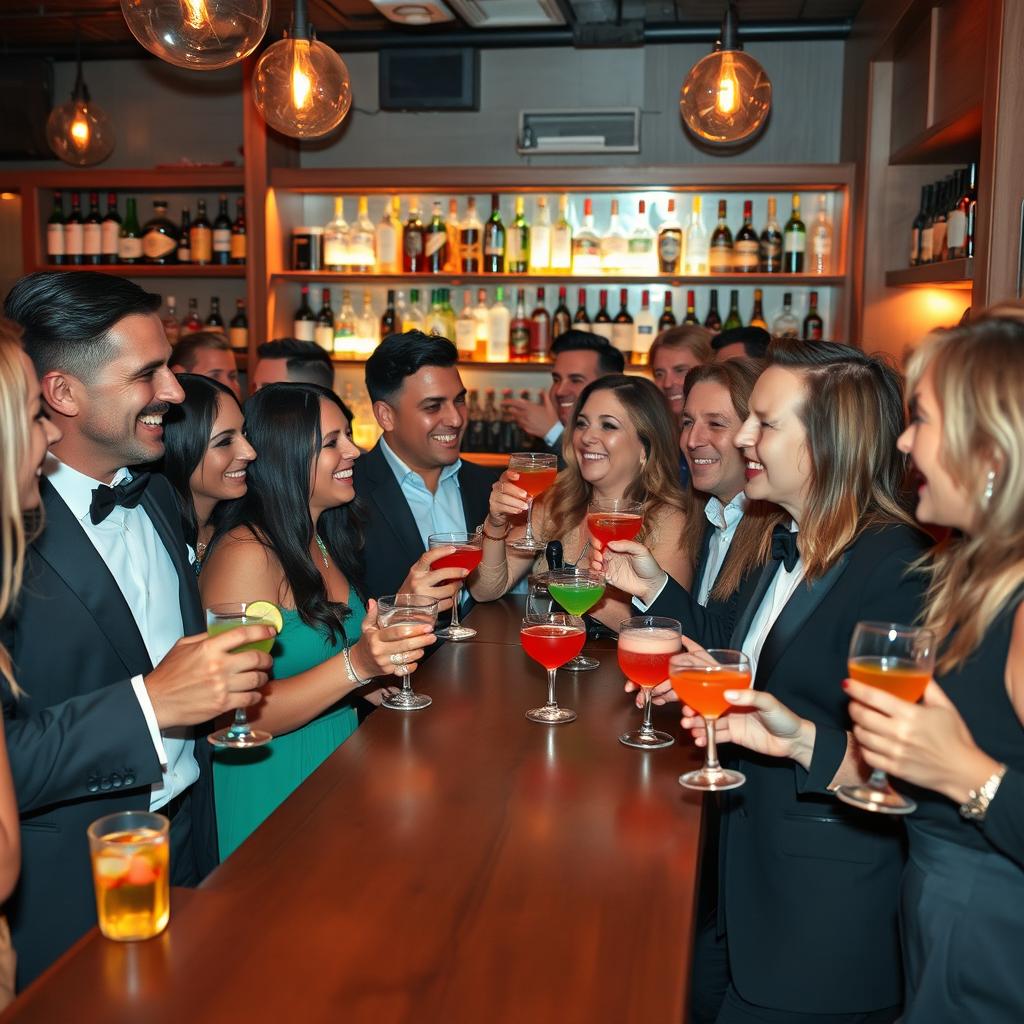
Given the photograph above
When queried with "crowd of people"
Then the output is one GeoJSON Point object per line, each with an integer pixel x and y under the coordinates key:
{"type": "Point", "coordinates": [779, 486]}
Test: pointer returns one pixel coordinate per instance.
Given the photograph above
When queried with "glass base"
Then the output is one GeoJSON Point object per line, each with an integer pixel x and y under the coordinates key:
{"type": "Point", "coordinates": [711, 780]}
{"type": "Point", "coordinates": [551, 715]}
{"type": "Point", "coordinates": [459, 632]}
{"type": "Point", "coordinates": [646, 739]}
{"type": "Point", "coordinates": [528, 546]}
{"type": "Point", "coordinates": [871, 798]}
{"type": "Point", "coordinates": [234, 738]}
{"type": "Point", "coordinates": [581, 663]}
{"type": "Point", "coordinates": [403, 701]}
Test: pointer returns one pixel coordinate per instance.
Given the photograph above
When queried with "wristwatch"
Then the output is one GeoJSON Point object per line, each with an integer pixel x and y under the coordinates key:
{"type": "Point", "coordinates": [978, 799]}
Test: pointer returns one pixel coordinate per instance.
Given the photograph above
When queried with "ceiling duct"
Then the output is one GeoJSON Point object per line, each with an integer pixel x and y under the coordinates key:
{"type": "Point", "coordinates": [508, 13]}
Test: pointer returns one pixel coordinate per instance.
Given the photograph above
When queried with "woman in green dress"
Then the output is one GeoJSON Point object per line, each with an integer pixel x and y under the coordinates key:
{"type": "Point", "coordinates": [294, 540]}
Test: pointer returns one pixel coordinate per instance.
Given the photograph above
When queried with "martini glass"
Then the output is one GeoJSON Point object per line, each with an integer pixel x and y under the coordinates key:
{"type": "Point", "coordinates": [467, 554]}
{"type": "Point", "coordinates": [646, 642]}
{"type": "Point", "coordinates": [552, 640]}
{"type": "Point", "coordinates": [614, 519]}
{"type": "Point", "coordinates": [406, 610]}
{"type": "Point", "coordinates": [537, 472]}
{"type": "Point", "coordinates": [577, 591]}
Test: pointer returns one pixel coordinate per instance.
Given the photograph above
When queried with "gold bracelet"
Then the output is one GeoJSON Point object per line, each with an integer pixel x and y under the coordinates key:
{"type": "Point", "coordinates": [489, 536]}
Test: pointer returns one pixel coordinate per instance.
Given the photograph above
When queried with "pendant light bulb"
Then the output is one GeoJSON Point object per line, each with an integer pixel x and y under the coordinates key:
{"type": "Point", "coordinates": [199, 35]}
{"type": "Point", "coordinates": [727, 96]}
{"type": "Point", "coordinates": [79, 131]}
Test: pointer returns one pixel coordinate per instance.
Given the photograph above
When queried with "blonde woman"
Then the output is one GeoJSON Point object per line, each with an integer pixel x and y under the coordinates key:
{"type": "Point", "coordinates": [25, 435]}
{"type": "Point", "coordinates": [621, 444]}
{"type": "Point", "coordinates": [962, 748]}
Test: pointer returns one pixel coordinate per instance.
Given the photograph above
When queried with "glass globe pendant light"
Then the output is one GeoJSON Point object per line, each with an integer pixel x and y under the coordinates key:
{"type": "Point", "coordinates": [300, 86]}
{"type": "Point", "coordinates": [727, 95]}
{"type": "Point", "coordinates": [199, 35]}
{"type": "Point", "coordinates": [79, 131]}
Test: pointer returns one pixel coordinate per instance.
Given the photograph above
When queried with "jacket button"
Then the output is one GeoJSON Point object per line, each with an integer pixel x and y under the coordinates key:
{"type": "Point", "coordinates": [129, 779]}
{"type": "Point", "coordinates": [93, 787]}
{"type": "Point", "coordinates": [105, 783]}
{"type": "Point", "coordinates": [115, 780]}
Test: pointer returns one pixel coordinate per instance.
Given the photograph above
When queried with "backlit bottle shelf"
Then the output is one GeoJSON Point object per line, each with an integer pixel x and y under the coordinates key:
{"type": "Point", "coordinates": [456, 280]}
{"type": "Point", "coordinates": [155, 270]}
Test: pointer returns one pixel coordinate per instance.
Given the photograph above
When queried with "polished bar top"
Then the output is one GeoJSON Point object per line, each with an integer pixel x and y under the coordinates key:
{"type": "Point", "coordinates": [458, 864]}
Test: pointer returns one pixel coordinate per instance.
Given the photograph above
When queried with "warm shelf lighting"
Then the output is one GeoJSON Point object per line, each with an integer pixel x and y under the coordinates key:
{"type": "Point", "coordinates": [79, 131]}
{"type": "Point", "coordinates": [727, 95]}
{"type": "Point", "coordinates": [200, 35]}
{"type": "Point", "coordinates": [301, 87]}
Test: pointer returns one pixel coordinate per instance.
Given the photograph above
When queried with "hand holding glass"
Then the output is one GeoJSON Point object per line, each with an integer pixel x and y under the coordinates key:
{"type": "Point", "coordinates": [405, 610]}
{"type": "Point", "coordinates": [552, 640]}
{"type": "Point", "coordinates": [646, 643]}
{"type": "Point", "coordinates": [537, 472]}
{"type": "Point", "coordinates": [467, 554]}
{"type": "Point", "coordinates": [614, 519]}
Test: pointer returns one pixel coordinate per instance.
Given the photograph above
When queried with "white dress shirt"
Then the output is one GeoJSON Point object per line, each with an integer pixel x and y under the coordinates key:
{"type": "Point", "coordinates": [725, 519]}
{"type": "Point", "coordinates": [554, 435]}
{"type": "Point", "coordinates": [132, 550]}
{"type": "Point", "coordinates": [437, 512]}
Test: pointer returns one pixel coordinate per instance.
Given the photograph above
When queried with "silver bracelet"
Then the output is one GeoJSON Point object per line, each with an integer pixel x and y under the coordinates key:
{"type": "Point", "coordinates": [351, 672]}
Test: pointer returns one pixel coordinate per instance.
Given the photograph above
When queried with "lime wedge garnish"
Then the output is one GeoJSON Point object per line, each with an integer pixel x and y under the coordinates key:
{"type": "Point", "coordinates": [266, 611]}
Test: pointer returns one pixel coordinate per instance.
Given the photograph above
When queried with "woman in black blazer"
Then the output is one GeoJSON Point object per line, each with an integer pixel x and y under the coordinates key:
{"type": "Point", "coordinates": [805, 925]}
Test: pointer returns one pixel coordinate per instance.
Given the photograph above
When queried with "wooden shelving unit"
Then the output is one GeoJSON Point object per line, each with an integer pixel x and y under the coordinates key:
{"type": "Point", "coordinates": [555, 280]}
{"type": "Point", "coordinates": [947, 274]}
{"type": "Point", "coordinates": [148, 270]}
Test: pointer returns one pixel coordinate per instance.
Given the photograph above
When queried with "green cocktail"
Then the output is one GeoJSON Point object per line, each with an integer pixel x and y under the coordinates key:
{"type": "Point", "coordinates": [223, 625]}
{"type": "Point", "coordinates": [577, 597]}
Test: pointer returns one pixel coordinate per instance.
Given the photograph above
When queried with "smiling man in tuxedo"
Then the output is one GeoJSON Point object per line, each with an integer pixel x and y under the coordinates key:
{"type": "Point", "coordinates": [108, 636]}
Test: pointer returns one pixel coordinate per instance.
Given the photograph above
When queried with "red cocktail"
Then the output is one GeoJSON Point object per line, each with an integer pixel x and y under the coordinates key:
{"type": "Point", "coordinates": [646, 642]}
{"type": "Point", "coordinates": [606, 526]}
{"type": "Point", "coordinates": [552, 640]}
{"type": "Point", "coordinates": [536, 481]}
{"type": "Point", "coordinates": [465, 556]}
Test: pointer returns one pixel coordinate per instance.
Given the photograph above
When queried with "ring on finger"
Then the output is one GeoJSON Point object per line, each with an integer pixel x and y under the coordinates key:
{"type": "Point", "coordinates": [397, 659]}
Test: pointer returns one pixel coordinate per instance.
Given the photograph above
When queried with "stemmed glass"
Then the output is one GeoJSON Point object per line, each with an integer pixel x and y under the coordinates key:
{"type": "Point", "coordinates": [240, 735]}
{"type": "Point", "coordinates": [467, 554]}
{"type": "Point", "coordinates": [646, 642]}
{"type": "Point", "coordinates": [577, 591]}
{"type": "Point", "coordinates": [703, 688]}
{"type": "Point", "coordinates": [537, 472]}
{"type": "Point", "coordinates": [899, 660]}
{"type": "Point", "coordinates": [614, 519]}
{"type": "Point", "coordinates": [405, 610]}
{"type": "Point", "coordinates": [552, 640]}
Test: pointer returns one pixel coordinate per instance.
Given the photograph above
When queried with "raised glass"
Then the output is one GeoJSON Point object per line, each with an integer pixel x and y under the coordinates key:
{"type": "Point", "coordinates": [405, 610]}
{"type": "Point", "coordinates": [614, 519]}
{"type": "Point", "coordinates": [467, 554]}
{"type": "Point", "coordinates": [537, 472]}
{"type": "Point", "coordinates": [646, 643]}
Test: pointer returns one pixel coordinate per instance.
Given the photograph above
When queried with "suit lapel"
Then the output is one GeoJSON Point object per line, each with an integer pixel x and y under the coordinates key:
{"type": "Point", "coordinates": [188, 593]}
{"type": "Point", "coordinates": [474, 501]}
{"type": "Point", "coordinates": [752, 591]}
{"type": "Point", "coordinates": [391, 504]}
{"type": "Point", "coordinates": [702, 557]}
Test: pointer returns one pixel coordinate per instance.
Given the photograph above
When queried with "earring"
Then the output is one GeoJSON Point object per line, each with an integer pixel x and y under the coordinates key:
{"type": "Point", "coordinates": [990, 486]}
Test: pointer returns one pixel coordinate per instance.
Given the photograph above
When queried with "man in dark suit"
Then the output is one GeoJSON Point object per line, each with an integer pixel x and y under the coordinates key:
{"type": "Point", "coordinates": [413, 480]}
{"type": "Point", "coordinates": [114, 689]}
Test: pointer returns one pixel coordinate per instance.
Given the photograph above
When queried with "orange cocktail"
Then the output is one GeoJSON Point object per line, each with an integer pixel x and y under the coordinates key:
{"type": "Point", "coordinates": [536, 481]}
{"type": "Point", "coordinates": [902, 678]}
{"type": "Point", "coordinates": [606, 526]}
{"type": "Point", "coordinates": [704, 688]}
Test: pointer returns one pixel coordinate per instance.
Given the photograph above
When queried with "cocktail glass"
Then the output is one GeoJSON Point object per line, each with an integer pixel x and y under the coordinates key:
{"type": "Point", "coordinates": [614, 519]}
{"type": "Point", "coordinates": [552, 640]}
{"type": "Point", "coordinates": [537, 472]}
{"type": "Point", "coordinates": [646, 642]}
{"type": "Point", "coordinates": [467, 554]}
{"type": "Point", "coordinates": [406, 610]}
{"type": "Point", "coordinates": [577, 591]}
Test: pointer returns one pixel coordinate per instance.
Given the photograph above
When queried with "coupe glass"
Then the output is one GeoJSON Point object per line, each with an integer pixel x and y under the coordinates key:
{"type": "Point", "coordinates": [467, 554]}
{"type": "Point", "coordinates": [646, 642]}
{"type": "Point", "coordinates": [406, 610]}
{"type": "Point", "coordinates": [899, 660]}
{"type": "Point", "coordinates": [574, 589]}
{"type": "Point", "coordinates": [537, 472]}
{"type": "Point", "coordinates": [552, 640]}
{"type": "Point", "coordinates": [614, 519]}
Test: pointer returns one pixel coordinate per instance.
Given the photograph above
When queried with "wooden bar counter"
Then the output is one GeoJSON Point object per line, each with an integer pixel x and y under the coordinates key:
{"type": "Point", "coordinates": [458, 864]}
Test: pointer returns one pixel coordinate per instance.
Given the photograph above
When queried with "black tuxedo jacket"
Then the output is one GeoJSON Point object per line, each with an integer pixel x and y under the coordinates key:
{"type": "Point", "coordinates": [392, 540]}
{"type": "Point", "coordinates": [808, 887]}
{"type": "Point", "coordinates": [78, 742]}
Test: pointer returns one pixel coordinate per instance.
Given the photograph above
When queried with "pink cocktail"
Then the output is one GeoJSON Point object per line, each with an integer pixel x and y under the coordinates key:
{"type": "Point", "coordinates": [646, 643]}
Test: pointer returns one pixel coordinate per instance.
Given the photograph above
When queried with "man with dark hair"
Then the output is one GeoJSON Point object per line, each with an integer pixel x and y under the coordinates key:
{"type": "Point", "coordinates": [579, 358]}
{"type": "Point", "coordinates": [413, 479]}
{"type": "Point", "coordinates": [288, 360]}
{"type": "Point", "coordinates": [208, 354]}
{"type": "Point", "coordinates": [741, 343]}
{"type": "Point", "coordinates": [114, 690]}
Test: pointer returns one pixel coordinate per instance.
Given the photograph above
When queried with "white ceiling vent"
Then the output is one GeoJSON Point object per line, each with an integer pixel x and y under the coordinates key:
{"type": "Point", "coordinates": [507, 13]}
{"type": "Point", "coordinates": [613, 130]}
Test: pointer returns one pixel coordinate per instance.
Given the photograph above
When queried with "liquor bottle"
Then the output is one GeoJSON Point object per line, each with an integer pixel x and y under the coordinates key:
{"type": "Point", "coordinates": [185, 237]}
{"type": "Point", "coordinates": [110, 229]}
{"type": "Point", "coordinates": [733, 319]}
{"type": "Point", "coordinates": [386, 237]}
{"type": "Point", "coordinates": [720, 255]}
{"type": "Point", "coordinates": [474, 440]}
{"type": "Point", "coordinates": [814, 326]}
{"type": "Point", "coordinates": [691, 308]}
{"type": "Point", "coordinates": [323, 329]}
{"type": "Point", "coordinates": [345, 328]}
{"type": "Point", "coordinates": [222, 234]}
{"type": "Point", "coordinates": [437, 322]}
{"type": "Point", "coordinates": [696, 261]}
{"type": "Point", "coordinates": [494, 240]}
{"type": "Point", "coordinates": [771, 242]}
{"type": "Point", "coordinates": [713, 321]}
{"type": "Point", "coordinates": [367, 338]}
{"type": "Point", "coordinates": [668, 317]}
{"type": "Point", "coordinates": [449, 311]}
{"type": "Point", "coordinates": [465, 328]}
{"type": "Point", "coordinates": [540, 238]}
{"type": "Point", "coordinates": [92, 233]}
{"type": "Point", "coordinates": [74, 232]}
{"type": "Point", "coordinates": [192, 323]}
{"type": "Point", "coordinates": [786, 324]}
{"type": "Point", "coordinates": [172, 326]}
{"type": "Point", "coordinates": [614, 245]}
{"type": "Point", "coordinates": [641, 247]}
{"type": "Point", "coordinates": [129, 239]}
{"type": "Point", "coordinates": [415, 316]}
{"type": "Point", "coordinates": [361, 236]}
{"type": "Point", "coordinates": [492, 423]}
{"type": "Point", "coordinates": [517, 257]}
{"type": "Point", "coordinates": [926, 228]}
{"type": "Point", "coordinates": [453, 258]}
{"type": "Point", "coordinates": [602, 322]}
{"type": "Point", "coordinates": [643, 335]}
{"type": "Point", "coordinates": [821, 240]}
{"type": "Point", "coordinates": [304, 322]}
{"type": "Point", "coordinates": [939, 221]}
{"type": "Point", "coordinates": [201, 236]}
{"type": "Point", "coordinates": [794, 241]}
{"type": "Point", "coordinates": [470, 239]}
{"type": "Point", "coordinates": [435, 242]}
{"type": "Point", "coordinates": [214, 322]}
{"type": "Point", "coordinates": [586, 244]}
{"type": "Point", "coordinates": [413, 240]}
{"type": "Point", "coordinates": [481, 317]}
{"type": "Point", "coordinates": [498, 324]}
{"type": "Point", "coordinates": [561, 238]}
{"type": "Point", "coordinates": [55, 232]}
{"type": "Point", "coordinates": [519, 331]}
{"type": "Point", "coordinates": [670, 242]}
{"type": "Point", "coordinates": [916, 227]}
{"type": "Point", "coordinates": [540, 330]}
{"type": "Point", "coordinates": [962, 216]}
{"type": "Point", "coordinates": [336, 239]}
{"type": "Point", "coordinates": [747, 248]}
{"type": "Point", "coordinates": [581, 316]}
{"type": "Point", "coordinates": [389, 322]}
{"type": "Point", "coordinates": [623, 326]}
{"type": "Point", "coordinates": [239, 238]}
{"type": "Point", "coordinates": [238, 328]}
{"type": "Point", "coordinates": [757, 314]}
{"type": "Point", "coordinates": [561, 319]}
{"type": "Point", "coordinates": [159, 236]}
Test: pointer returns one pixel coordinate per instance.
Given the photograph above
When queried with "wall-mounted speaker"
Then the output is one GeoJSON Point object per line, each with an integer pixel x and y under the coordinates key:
{"type": "Point", "coordinates": [434, 79]}
{"type": "Point", "coordinates": [26, 98]}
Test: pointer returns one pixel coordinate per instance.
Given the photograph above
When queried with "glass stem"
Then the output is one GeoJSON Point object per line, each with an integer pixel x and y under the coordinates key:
{"type": "Point", "coordinates": [879, 780]}
{"type": "Point", "coordinates": [406, 682]}
{"type": "Point", "coordinates": [711, 760]}
{"type": "Point", "coordinates": [529, 520]}
{"type": "Point", "coordinates": [647, 727]}
{"type": "Point", "coordinates": [551, 688]}
{"type": "Point", "coordinates": [455, 608]}
{"type": "Point", "coordinates": [240, 726]}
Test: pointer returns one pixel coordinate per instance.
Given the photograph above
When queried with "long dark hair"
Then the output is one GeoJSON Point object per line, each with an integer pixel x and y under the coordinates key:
{"type": "Point", "coordinates": [282, 422]}
{"type": "Point", "coordinates": [186, 438]}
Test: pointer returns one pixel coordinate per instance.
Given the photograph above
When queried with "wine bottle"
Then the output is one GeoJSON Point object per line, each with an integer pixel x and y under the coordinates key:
{"type": "Point", "coordinates": [927, 249]}
{"type": "Point", "coordinates": [670, 242]}
{"type": "Point", "coordinates": [74, 232]}
{"type": "Point", "coordinates": [110, 230]}
{"type": "Point", "coordinates": [192, 322]}
{"type": "Point", "coordinates": [733, 320]}
{"type": "Point", "coordinates": [917, 227]}
{"type": "Point", "coordinates": [323, 329]}
{"type": "Point", "coordinates": [389, 323]}
{"type": "Point", "coordinates": [201, 235]}
{"type": "Point", "coordinates": [747, 247]}
{"type": "Point", "coordinates": [413, 240]}
{"type": "Point", "coordinates": [239, 239]}
{"type": "Point", "coordinates": [470, 235]}
{"type": "Point", "coordinates": [519, 331]}
{"type": "Point", "coordinates": [561, 319]}
{"type": "Point", "coordinates": [821, 240]}
{"type": "Point", "coordinates": [92, 232]}
{"type": "Point", "coordinates": [55, 232]}
{"type": "Point", "coordinates": [238, 329]}
{"type": "Point", "coordinates": [720, 254]}
{"type": "Point", "coordinates": [643, 336]}
{"type": "Point", "coordinates": [517, 257]}
{"type": "Point", "coordinates": [794, 241]}
{"type": "Point", "coordinates": [540, 330]}
{"type": "Point", "coordinates": [582, 316]}
{"type": "Point", "coordinates": [386, 238]}
{"type": "Point", "coordinates": [814, 327]}
{"type": "Point", "coordinates": [453, 259]}
{"type": "Point", "coordinates": [435, 242]}
{"type": "Point", "coordinates": [304, 322]}
{"type": "Point", "coordinates": [185, 237]}
{"type": "Point", "coordinates": [603, 322]}
{"type": "Point", "coordinates": [221, 239]}
{"type": "Point", "coordinates": [757, 315]}
{"type": "Point", "coordinates": [172, 326]}
{"type": "Point", "coordinates": [691, 309]}
{"type": "Point", "coordinates": [622, 326]}
{"type": "Point", "coordinates": [667, 318]}
{"type": "Point", "coordinates": [129, 241]}
{"type": "Point", "coordinates": [713, 321]}
{"type": "Point", "coordinates": [481, 314]}
{"type": "Point", "coordinates": [345, 328]}
{"type": "Point", "coordinates": [494, 240]}
{"type": "Point", "coordinates": [214, 322]}
{"type": "Point", "coordinates": [770, 245]}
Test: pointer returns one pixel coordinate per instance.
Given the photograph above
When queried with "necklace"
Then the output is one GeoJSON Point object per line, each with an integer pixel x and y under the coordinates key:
{"type": "Point", "coordinates": [323, 550]}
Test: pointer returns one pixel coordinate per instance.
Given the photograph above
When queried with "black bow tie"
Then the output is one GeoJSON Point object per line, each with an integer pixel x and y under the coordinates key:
{"type": "Point", "coordinates": [128, 494]}
{"type": "Point", "coordinates": [784, 547]}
